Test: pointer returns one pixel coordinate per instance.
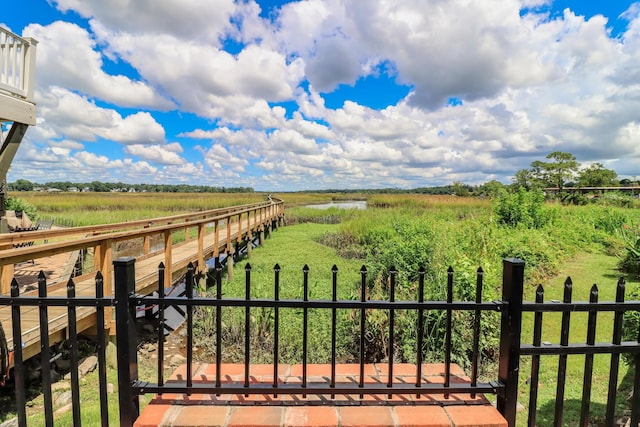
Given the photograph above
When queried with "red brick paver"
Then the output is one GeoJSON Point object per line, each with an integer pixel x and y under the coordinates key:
{"type": "Point", "coordinates": [475, 416]}
{"type": "Point", "coordinates": [404, 410]}
{"type": "Point", "coordinates": [366, 416]}
{"type": "Point", "coordinates": [311, 416]}
{"type": "Point", "coordinates": [425, 416]}
{"type": "Point", "coordinates": [194, 416]}
{"type": "Point", "coordinates": [256, 416]}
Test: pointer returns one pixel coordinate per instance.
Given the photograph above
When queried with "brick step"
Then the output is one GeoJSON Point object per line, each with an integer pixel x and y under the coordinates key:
{"type": "Point", "coordinates": [315, 411]}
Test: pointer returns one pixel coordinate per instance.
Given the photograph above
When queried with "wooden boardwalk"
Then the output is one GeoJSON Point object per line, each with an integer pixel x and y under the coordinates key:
{"type": "Point", "coordinates": [57, 271]}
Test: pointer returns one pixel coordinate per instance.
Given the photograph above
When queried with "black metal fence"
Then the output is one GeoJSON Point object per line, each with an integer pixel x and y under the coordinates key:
{"type": "Point", "coordinates": [511, 308]}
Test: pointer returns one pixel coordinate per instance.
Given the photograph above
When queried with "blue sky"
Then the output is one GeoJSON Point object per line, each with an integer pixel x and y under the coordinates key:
{"type": "Point", "coordinates": [319, 94]}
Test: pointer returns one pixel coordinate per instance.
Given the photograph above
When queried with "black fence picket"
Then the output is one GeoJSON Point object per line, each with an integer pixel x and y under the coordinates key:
{"type": "Point", "coordinates": [505, 386]}
{"type": "Point", "coordinates": [363, 305]}
{"type": "Point", "coordinates": [44, 301]}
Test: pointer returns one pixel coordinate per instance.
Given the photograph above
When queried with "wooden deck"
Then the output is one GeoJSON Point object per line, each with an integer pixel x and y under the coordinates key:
{"type": "Point", "coordinates": [57, 272]}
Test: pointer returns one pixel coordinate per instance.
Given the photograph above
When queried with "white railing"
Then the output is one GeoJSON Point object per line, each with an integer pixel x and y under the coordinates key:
{"type": "Point", "coordinates": [17, 64]}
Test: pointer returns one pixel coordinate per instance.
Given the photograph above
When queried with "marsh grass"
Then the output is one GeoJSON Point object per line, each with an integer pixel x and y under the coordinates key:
{"type": "Point", "coordinates": [404, 230]}
{"type": "Point", "coordinates": [104, 208]}
{"type": "Point", "coordinates": [291, 248]}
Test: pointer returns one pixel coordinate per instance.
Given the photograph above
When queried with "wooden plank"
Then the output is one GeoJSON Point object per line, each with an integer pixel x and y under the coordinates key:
{"type": "Point", "coordinates": [178, 255]}
{"type": "Point", "coordinates": [13, 109]}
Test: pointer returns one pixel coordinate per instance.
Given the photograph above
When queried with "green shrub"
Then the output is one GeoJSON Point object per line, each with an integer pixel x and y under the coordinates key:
{"type": "Point", "coordinates": [610, 221]}
{"type": "Point", "coordinates": [630, 259]}
{"type": "Point", "coordinates": [617, 199]}
{"type": "Point", "coordinates": [522, 209]}
{"type": "Point", "coordinates": [631, 323]}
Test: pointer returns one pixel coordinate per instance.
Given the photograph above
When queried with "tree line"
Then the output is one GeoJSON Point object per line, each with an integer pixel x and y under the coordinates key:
{"type": "Point", "coordinates": [106, 187]}
{"type": "Point", "coordinates": [563, 170]}
{"type": "Point", "coordinates": [560, 171]}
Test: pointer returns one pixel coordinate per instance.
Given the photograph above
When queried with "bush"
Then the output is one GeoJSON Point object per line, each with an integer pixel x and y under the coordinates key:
{"type": "Point", "coordinates": [610, 221]}
{"type": "Point", "coordinates": [618, 199]}
{"type": "Point", "coordinates": [522, 209]}
{"type": "Point", "coordinates": [630, 260]}
{"type": "Point", "coordinates": [631, 323]}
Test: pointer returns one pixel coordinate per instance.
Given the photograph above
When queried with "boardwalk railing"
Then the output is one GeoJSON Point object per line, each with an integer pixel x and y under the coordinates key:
{"type": "Point", "coordinates": [17, 65]}
{"type": "Point", "coordinates": [228, 226]}
{"type": "Point", "coordinates": [176, 241]}
{"type": "Point", "coordinates": [505, 385]}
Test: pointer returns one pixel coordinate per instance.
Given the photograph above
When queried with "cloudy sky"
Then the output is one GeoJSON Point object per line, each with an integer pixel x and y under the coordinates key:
{"type": "Point", "coordinates": [302, 95]}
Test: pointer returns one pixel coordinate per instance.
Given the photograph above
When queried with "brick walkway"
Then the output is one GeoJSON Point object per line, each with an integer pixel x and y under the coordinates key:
{"type": "Point", "coordinates": [316, 411]}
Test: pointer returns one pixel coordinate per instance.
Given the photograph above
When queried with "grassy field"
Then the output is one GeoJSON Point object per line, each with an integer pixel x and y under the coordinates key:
{"type": "Point", "coordinates": [585, 270]}
{"type": "Point", "coordinates": [101, 208]}
{"type": "Point", "coordinates": [583, 242]}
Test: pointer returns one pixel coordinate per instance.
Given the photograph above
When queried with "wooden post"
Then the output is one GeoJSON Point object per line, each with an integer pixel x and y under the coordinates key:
{"type": "Point", "coordinates": [239, 238]}
{"type": "Point", "coordinates": [6, 276]}
{"type": "Point", "coordinates": [168, 261]}
{"type": "Point", "coordinates": [202, 268]}
{"type": "Point", "coordinates": [97, 258]}
{"type": "Point", "coordinates": [229, 263]}
{"type": "Point", "coordinates": [147, 241]}
{"type": "Point", "coordinates": [228, 241]}
{"type": "Point", "coordinates": [229, 252]}
{"type": "Point", "coordinates": [201, 233]}
{"type": "Point", "coordinates": [104, 261]}
{"type": "Point", "coordinates": [216, 239]}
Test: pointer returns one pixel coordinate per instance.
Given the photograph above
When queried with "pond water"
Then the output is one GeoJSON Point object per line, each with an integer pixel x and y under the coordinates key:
{"type": "Point", "coordinates": [351, 204]}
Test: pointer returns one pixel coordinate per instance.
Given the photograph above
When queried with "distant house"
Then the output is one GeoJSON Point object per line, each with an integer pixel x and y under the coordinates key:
{"type": "Point", "coordinates": [53, 190]}
{"type": "Point", "coordinates": [73, 189]}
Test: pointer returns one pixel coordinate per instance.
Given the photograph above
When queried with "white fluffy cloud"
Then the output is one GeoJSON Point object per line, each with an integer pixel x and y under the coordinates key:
{"type": "Point", "coordinates": [493, 85]}
{"type": "Point", "coordinates": [76, 117]}
{"type": "Point", "coordinates": [160, 154]}
{"type": "Point", "coordinates": [188, 19]}
{"type": "Point", "coordinates": [67, 56]}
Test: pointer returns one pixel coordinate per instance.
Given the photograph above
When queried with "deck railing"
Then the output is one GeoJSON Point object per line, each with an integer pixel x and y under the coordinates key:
{"type": "Point", "coordinates": [505, 385]}
{"type": "Point", "coordinates": [229, 226]}
{"type": "Point", "coordinates": [17, 64]}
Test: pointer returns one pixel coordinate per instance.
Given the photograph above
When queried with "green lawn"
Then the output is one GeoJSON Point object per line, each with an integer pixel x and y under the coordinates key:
{"type": "Point", "coordinates": [584, 270]}
{"type": "Point", "coordinates": [293, 247]}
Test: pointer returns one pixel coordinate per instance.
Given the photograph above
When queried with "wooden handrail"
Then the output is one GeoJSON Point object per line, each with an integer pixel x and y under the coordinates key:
{"type": "Point", "coordinates": [102, 237]}
{"type": "Point", "coordinates": [7, 239]}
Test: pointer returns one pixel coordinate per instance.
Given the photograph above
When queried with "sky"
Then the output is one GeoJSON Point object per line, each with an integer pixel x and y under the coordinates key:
{"type": "Point", "coordinates": [326, 94]}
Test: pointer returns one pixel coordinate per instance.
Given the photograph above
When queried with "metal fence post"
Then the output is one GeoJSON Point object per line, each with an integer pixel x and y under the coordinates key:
{"type": "Point", "coordinates": [126, 340]}
{"type": "Point", "coordinates": [510, 329]}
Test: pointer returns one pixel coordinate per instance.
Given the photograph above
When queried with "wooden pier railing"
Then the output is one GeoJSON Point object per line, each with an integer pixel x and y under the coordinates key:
{"type": "Point", "coordinates": [217, 231]}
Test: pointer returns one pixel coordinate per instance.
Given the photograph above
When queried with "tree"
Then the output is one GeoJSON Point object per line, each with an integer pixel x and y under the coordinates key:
{"type": "Point", "coordinates": [460, 189]}
{"type": "Point", "coordinates": [22, 185]}
{"type": "Point", "coordinates": [491, 189]}
{"type": "Point", "coordinates": [563, 168]}
{"type": "Point", "coordinates": [597, 175]}
{"type": "Point", "coordinates": [530, 179]}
